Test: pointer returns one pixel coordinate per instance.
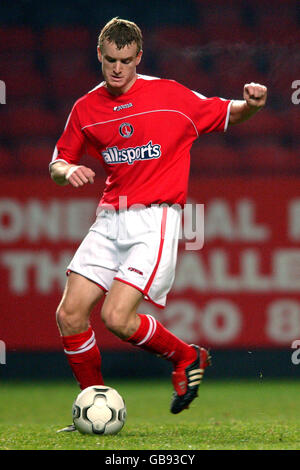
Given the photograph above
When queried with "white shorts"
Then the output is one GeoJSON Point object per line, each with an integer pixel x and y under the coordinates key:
{"type": "Point", "coordinates": [135, 246]}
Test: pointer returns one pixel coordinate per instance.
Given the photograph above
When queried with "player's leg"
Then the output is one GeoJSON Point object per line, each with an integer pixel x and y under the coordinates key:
{"type": "Point", "coordinates": [73, 313]}
{"type": "Point", "coordinates": [119, 313]}
{"type": "Point", "coordinates": [189, 361]}
{"type": "Point", "coordinates": [149, 267]}
{"type": "Point", "coordinates": [120, 316]}
{"type": "Point", "coordinates": [119, 310]}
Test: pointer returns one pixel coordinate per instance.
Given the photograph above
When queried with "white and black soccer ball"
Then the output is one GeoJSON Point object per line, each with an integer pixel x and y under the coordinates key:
{"type": "Point", "coordinates": [99, 410]}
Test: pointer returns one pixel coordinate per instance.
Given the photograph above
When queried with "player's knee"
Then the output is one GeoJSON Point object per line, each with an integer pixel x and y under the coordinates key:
{"type": "Point", "coordinates": [69, 320]}
{"type": "Point", "coordinates": [115, 320]}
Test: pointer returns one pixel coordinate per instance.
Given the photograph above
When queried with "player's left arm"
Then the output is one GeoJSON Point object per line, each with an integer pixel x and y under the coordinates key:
{"type": "Point", "coordinates": [255, 97]}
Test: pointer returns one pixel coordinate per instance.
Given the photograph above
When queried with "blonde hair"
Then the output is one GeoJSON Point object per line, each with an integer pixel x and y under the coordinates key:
{"type": "Point", "coordinates": [122, 33]}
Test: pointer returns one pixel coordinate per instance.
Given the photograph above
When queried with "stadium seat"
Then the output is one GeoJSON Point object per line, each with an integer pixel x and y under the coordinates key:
{"type": "Point", "coordinates": [218, 12]}
{"type": "Point", "coordinates": [8, 161]}
{"type": "Point", "coordinates": [65, 106]}
{"type": "Point", "coordinates": [27, 84]}
{"type": "Point", "coordinates": [34, 157]}
{"type": "Point", "coordinates": [67, 63]}
{"type": "Point", "coordinates": [272, 158]}
{"type": "Point", "coordinates": [73, 86]}
{"type": "Point", "coordinates": [17, 38]}
{"type": "Point", "coordinates": [18, 62]}
{"type": "Point", "coordinates": [180, 68]}
{"type": "Point", "coordinates": [286, 71]}
{"type": "Point", "coordinates": [66, 38]}
{"type": "Point", "coordinates": [224, 33]}
{"type": "Point", "coordinates": [291, 120]}
{"type": "Point", "coordinates": [215, 159]}
{"type": "Point", "coordinates": [234, 71]}
{"type": "Point", "coordinates": [265, 123]}
{"type": "Point", "coordinates": [177, 36]}
{"type": "Point", "coordinates": [283, 30]}
{"type": "Point", "coordinates": [31, 121]}
{"type": "Point", "coordinates": [185, 69]}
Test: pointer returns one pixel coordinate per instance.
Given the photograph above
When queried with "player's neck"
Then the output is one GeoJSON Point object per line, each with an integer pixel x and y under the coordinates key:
{"type": "Point", "coordinates": [118, 91]}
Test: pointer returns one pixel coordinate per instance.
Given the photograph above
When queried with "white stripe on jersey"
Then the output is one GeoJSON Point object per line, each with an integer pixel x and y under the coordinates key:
{"type": "Point", "coordinates": [147, 77]}
{"type": "Point", "coordinates": [96, 87]}
{"type": "Point", "coordinates": [55, 159]}
{"type": "Point", "coordinates": [227, 116]}
{"type": "Point", "coordinates": [202, 97]}
{"type": "Point", "coordinates": [146, 112]}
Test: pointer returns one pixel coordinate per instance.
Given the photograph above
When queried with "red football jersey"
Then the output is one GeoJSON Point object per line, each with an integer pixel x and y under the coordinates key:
{"type": "Point", "coordinates": [143, 138]}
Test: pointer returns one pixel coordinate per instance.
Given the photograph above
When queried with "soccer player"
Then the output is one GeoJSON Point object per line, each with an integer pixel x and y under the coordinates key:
{"type": "Point", "coordinates": [141, 128]}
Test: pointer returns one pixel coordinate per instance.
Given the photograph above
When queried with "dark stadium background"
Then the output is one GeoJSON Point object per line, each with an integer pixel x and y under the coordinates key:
{"type": "Point", "coordinates": [47, 61]}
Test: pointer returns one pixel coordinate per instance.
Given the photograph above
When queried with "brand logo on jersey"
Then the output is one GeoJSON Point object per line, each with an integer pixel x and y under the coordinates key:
{"type": "Point", "coordinates": [126, 130]}
{"type": "Point", "coordinates": [135, 270]}
{"type": "Point", "coordinates": [123, 106]}
{"type": "Point", "coordinates": [132, 154]}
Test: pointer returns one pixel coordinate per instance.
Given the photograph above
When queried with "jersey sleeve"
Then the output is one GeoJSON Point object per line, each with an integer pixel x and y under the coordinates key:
{"type": "Point", "coordinates": [207, 114]}
{"type": "Point", "coordinates": [70, 146]}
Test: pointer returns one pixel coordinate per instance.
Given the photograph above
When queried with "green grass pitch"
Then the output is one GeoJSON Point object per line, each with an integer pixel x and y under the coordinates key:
{"type": "Point", "coordinates": [228, 415]}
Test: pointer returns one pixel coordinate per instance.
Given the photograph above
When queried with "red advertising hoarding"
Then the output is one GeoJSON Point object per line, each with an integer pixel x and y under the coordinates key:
{"type": "Point", "coordinates": [240, 290]}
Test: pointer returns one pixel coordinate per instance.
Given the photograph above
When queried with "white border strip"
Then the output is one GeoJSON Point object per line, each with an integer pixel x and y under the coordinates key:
{"type": "Point", "coordinates": [227, 116]}
{"type": "Point", "coordinates": [89, 344]}
{"type": "Point", "coordinates": [151, 330]}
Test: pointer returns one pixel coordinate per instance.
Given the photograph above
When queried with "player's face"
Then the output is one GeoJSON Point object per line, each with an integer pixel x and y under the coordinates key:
{"type": "Point", "coordinates": [119, 66]}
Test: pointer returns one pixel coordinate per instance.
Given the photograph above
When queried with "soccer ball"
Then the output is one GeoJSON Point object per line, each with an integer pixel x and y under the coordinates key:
{"type": "Point", "coordinates": [99, 410]}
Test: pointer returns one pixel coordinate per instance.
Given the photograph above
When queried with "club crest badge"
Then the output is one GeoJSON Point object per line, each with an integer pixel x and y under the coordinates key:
{"type": "Point", "coordinates": [126, 130]}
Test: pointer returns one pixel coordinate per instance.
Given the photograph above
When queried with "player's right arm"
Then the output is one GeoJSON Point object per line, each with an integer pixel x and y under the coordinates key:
{"type": "Point", "coordinates": [65, 167]}
{"type": "Point", "coordinates": [63, 173]}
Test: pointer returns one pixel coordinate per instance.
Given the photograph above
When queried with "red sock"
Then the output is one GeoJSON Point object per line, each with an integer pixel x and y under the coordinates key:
{"type": "Point", "coordinates": [152, 336]}
{"type": "Point", "coordinates": [84, 358]}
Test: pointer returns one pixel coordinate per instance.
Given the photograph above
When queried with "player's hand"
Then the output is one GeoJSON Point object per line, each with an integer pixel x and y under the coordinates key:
{"type": "Point", "coordinates": [255, 95]}
{"type": "Point", "coordinates": [80, 175]}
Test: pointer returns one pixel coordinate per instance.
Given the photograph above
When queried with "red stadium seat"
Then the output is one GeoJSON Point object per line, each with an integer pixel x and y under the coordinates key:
{"type": "Point", "coordinates": [31, 121]}
{"type": "Point", "coordinates": [67, 64]}
{"type": "Point", "coordinates": [180, 68]}
{"type": "Point", "coordinates": [8, 161]}
{"type": "Point", "coordinates": [34, 157]}
{"type": "Point", "coordinates": [227, 34]}
{"type": "Point", "coordinates": [177, 36]}
{"type": "Point", "coordinates": [17, 63]}
{"type": "Point", "coordinates": [271, 158]}
{"type": "Point", "coordinates": [64, 38]}
{"type": "Point", "coordinates": [291, 119]}
{"type": "Point", "coordinates": [215, 159]}
{"type": "Point", "coordinates": [65, 87]}
{"type": "Point", "coordinates": [286, 71]}
{"type": "Point", "coordinates": [27, 84]}
{"type": "Point", "coordinates": [219, 12]}
{"type": "Point", "coordinates": [185, 69]}
{"type": "Point", "coordinates": [17, 38]}
{"type": "Point", "coordinates": [265, 123]}
{"type": "Point", "coordinates": [233, 74]}
{"type": "Point", "coordinates": [282, 30]}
